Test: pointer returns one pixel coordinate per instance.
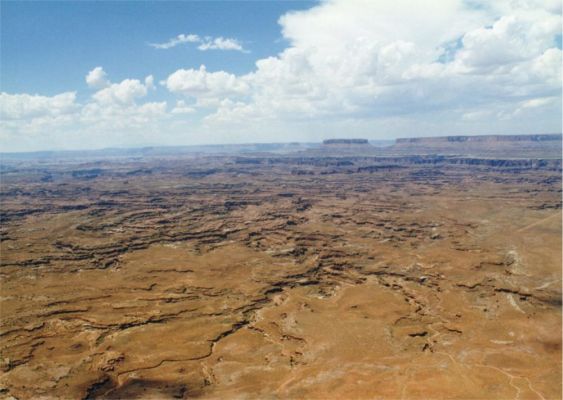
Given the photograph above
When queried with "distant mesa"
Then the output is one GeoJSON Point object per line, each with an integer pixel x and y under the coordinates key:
{"type": "Point", "coordinates": [536, 146]}
{"type": "Point", "coordinates": [338, 142]}
{"type": "Point", "coordinates": [481, 138]}
{"type": "Point", "coordinates": [490, 146]}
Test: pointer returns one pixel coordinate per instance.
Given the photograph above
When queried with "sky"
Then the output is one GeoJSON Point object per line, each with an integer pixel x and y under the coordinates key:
{"type": "Point", "coordinates": [96, 74]}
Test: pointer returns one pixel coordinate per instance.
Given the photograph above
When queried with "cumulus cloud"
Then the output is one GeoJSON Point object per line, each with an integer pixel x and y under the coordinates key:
{"type": "Point", "coordinates": [200, 83]}
{"type": "Point", "coordinates": [97, 78]}
{"type": "Point", "coordinates": [26, 106]}
{"type": "Point", "coordinates": [114, 108]}
{"type": "Point", "coordinates": [399, 68]}
{"type": "Point", "coordinates": [205, 43]}
{"type": "Point", "coordinates": [373, 60]}
{"type": "Point", "coordinates": [510, 40]}
{"type": "Point", "coordinates": [123, 93]}
{"type": "Point", "coordinates": [26, 119]}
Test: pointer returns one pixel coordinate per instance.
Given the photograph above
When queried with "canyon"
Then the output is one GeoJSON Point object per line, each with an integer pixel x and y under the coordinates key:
{"type": "Point", "coordinates": [336, 271]}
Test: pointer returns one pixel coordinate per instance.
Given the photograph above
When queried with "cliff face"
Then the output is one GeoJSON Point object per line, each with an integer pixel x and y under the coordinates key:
{"type": "Point", "coordinates": [504, 147]}
{"type": "Point", "coordinates": [490, 146]}
{"type": "Point", "coordinates": [480, 139]}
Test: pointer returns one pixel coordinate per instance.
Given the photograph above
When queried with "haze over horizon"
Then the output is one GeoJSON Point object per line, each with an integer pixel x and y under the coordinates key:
{"type": "Point", "coordinates": [81, 75]}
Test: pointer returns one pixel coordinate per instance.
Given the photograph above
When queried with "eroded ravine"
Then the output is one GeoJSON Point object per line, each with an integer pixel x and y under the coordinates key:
{"type": "Point", "coordinates": [414, 282]}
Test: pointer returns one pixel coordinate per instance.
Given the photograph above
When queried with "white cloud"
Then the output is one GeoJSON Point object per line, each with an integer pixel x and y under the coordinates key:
{"type": "Point", "coordinates": [510, 40]}
{"type": "Point", "coordinates": [200, 83]}
{"type": "Point", "coordinates": [123, 93]}
{"type": "Point", "coordinates": [111, 110]}
{"type": "Point", "coordinates": [97, 78]}
{"type": "Point", "coordinates": [180, 39]}
{"type": "Point", "coordinates": [182, 108]}
{"type": "Point", "coordinates": [149, 82]}
{"type": "Point", "coordinates": [26, 106]}
{"type": "Point", "coordinates": [221, 43]}
{"type": "Point", "coordinates": [546, 68]}
{"type": "Point", "coordinates": [476, 115]}
{"type": "Point", "coordinates": [116, 106]}
{"type": "Point", "coordinates": [205, 43]}
{"type": "Point", "coordinates": [102, 116]}
{"type": "Point", "coordinates": [373, 60]}
{"type": "Point", "coordinates": [536, 103]}
{"type": "Point", "coordinates": [357, 67]}
{"type": "Point", "coordinates": [539, 102]}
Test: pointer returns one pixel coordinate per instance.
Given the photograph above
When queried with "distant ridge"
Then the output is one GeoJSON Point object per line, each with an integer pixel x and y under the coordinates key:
{"type": "Point", "coordinates": [497, 147]}
{"type": "Point", "coordinates": [345, 141]}
{"type": "Point", "coordinates": [160, 151]}
{"type": "Point", "coordinates": [491, 146]}
{"type": "Point", "coordinates": [482, 138]}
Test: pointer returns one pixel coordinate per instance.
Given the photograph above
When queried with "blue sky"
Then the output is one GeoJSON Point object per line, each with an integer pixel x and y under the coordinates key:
{"type": "Point", "coordinates": [94, 74]}
{"type": "Point", "coordinates": [47, 46]}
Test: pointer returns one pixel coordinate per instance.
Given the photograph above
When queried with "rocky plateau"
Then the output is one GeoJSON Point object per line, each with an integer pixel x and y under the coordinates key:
{"type": "Point", "coordinates": [274, 276]}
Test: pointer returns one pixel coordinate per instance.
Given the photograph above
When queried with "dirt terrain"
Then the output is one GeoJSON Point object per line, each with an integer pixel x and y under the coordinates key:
{"type": "Point", "coordinates": [282, 277]}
